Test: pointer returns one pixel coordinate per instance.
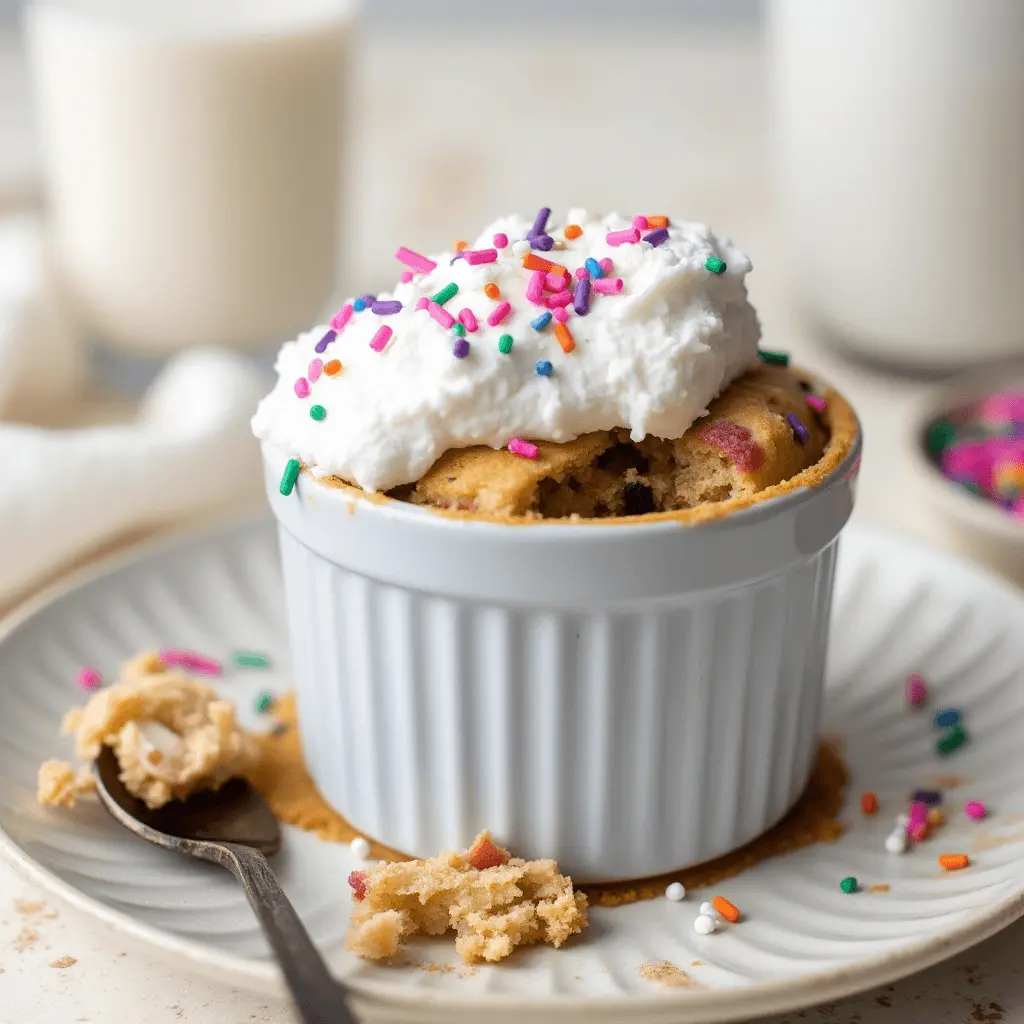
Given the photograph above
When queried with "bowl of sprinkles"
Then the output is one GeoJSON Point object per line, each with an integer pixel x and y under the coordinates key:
{"type": "Point", "coordinates": [968, 454]}
{"type": "Point", "coordinates": [558, 537]}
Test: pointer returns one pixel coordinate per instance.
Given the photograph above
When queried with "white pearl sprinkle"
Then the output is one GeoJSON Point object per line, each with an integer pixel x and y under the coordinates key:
{"type": "Point", "coordinates": [360, 847]}
{"type": "Point", "coordinates": [896, 843]}
{"type": "Point", "coordinates": [676, 891]}
{"type": "Point", "coordinates": [704, 925]}
{"type": "Point", "coordinates": [521, 248]}
{"type": "Point", "coordinates": [708, 910]}
{"type": "Point", "coordinates": [901, 820]}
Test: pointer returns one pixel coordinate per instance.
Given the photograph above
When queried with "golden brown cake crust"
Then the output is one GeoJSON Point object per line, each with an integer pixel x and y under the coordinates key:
{"type": "Point", "coordinates": [603, 478]}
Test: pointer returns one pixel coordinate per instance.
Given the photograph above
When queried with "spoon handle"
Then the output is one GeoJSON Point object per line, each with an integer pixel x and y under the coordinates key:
{"type": "Point", "coordinates": [319, 997]}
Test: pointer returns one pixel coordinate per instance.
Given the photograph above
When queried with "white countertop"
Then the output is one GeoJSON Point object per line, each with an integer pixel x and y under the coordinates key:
{"type": "Point", "coordinates": [709, 161]}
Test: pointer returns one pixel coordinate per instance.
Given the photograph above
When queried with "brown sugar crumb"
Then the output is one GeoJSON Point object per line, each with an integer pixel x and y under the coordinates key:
{"type": "Point", "coordinates": [491, 910]}
{"type": "Point", "coordinates": [64, 961]}
{"type": "Point", "coordinates": [666, 974]}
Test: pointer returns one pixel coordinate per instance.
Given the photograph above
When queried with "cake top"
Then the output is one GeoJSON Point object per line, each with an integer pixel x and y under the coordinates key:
{"type": "Point", "coordinates": [534, 331]}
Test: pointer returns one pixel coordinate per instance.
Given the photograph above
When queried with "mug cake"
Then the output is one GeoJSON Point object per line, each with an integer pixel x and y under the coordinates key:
{"type": "Point", "coordinates": [558, 541]}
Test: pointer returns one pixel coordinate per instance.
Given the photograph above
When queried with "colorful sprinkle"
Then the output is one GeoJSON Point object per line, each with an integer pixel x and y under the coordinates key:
{"type": "Point", "coordinates": [728, 910]}
{"type": "Point", "coordinates": [531, 261]}
{"type": "Point", "coordinates": [500, 240]}
{"type": "Point", "coordinates": [290, 475]}
{"type": "Point", "coordinates": [422, 303]}
{"type": "Point", "coordinates": [302, 387]}
{"type": "Point", "coordinates": [333, 367]}
{"type": "Point", "coordinates": [773, 358]}
{"type": "Point", "coordinates": [565, 338]}
{"type": "Point", "coordinates": [543, 242]}
{"type": "Point", "coordinates": [640, 222]}
{"type": "Point", "coordinates": [264, 701]}
{"type": "Point", "coordinates": [918, 831]}
{"type": "Point", "coordinates": [974, 809]}
{"type": "Point", "coordinates": [357, 882]}
{"type": "Point", "coordinates": [317, 412]}
{"type": "Point", "coordinates": [447, 292]}
{"type": "Point", "coordinates": [461, 348]}
{"type": "Point", "coordinates": [540, 222]}
{"type": "Point", "coordinates": [499, 313]}
{"type": "Point", "coordinates": [321, 345]}
{"type": "Point", "coordinates": [541, 322]}
{"type": "Point", "coordinates": [562, 298]}
{"type": "Point", "coordinates": [936, 817]}
{"type": "Point", "coordinates": [543, 367]}
{"type": "Point", "coordinates": [249, 659]}
{"type": "Point", "coordinates": [405, 276]}
{"type": "Point", "coordinates": [441, 315]}
{"type": "Point", "coordinates": [915, 690]}
{"type": "Point", "coordinates": [460, 245]}
{"type": "Point", "coordinates": [947, 717]}
{"type": "Point", "coordinates": [340, 319]}
{"type": "Point", "coordinates": [608, 285]}
{"type": "Point", "coordinates": [927, 797]}
{"type": "Point", "coordinates": [554, 282]}
{"type": "Point", "coordinates": [89, 678]}
{"type": "Point", "coordinates": [517, 446]}
{"type": "Point", "coordinates": [954, 861]}
{"type": "Point", "coordinates": [956, 737]}
{"type": "Point", "coordinates": [735, 441]}
{"type": "Point", "coordinates": [595, 268]}
{"type": "Point", "coordinates": [361, 303]}
{"type": "Point", "coordinates": [535, 286]}
{"type": "Point", "coordinates": [848, 884]}
{"type": "Point", "coordinates": [316, 367]}
{"type": "Point", "coordinates": [605, 263]}
{"type": "Point", "coordinates": [380, 338]}
{"type": "Point", "coordinates": [415, 260]}
{"type": "Point", "coordinates": [492, 291]}
{"type": "Point", "coordinates": [386, 308]}
{"type": "Point", "coordinates": [505, 344]}
{"type": "Point", "coordinates": [896, 842]}
{"type": "Point", "coordinates": [658, 221]}
{"type": "Point", "coordinates": [201, 664]}
{"type": "Point", "coordinates": [816, 402]}
{"type": "Point", "coordinates": [572, 231]}
{"type": "Point", "coordinates": [560, 313]}
{"type": "Point", "coordinates": [580, 273]}
{"type": "Point", "coordinates": [657, 236]}
{"type": "Point", "coordinates": [468, 320]}
{"type": "Point", "coordinates": [458, 329]}
{"type": "Point", "coordinates": [918, 812]}
{"type": "Point", "coordinates": [520, 248]}
{"type": "Point", "coordinates": [628, 236]}
{"type": "Point", "coordinates": [474, 257]}
{"type": "Point", "coordinates": [869, 803]}
{"type": "Point", "coordinates": [800, 432]}
{"type": "Point", "coordinates": [715, 265]}
{"type": "Point", "coordinates": [581, 296]}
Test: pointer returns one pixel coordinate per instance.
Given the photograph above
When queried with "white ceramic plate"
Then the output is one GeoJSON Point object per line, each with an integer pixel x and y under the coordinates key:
{"type": "Point", "coordinates": [899, 608]}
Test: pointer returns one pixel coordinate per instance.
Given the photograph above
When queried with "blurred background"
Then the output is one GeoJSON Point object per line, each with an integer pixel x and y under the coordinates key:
{"type": "Point", "coordinates": [184, 186]}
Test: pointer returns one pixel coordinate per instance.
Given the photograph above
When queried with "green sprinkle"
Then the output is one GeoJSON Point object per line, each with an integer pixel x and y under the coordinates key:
{"type": "Point", "coordinates": [715, 265]}
{"type": "Point", "coordinates": [317, 412]}
{"type": "Point", "coordinates": [445, 293]}
{"type": "Point", "coordinates": [264, 701]}
{"type": "Point", "coordinates": [458, 330]}
{"type": "Point", "coordinates": [247, 659]}
{"type": "Point", "coordinates": [955, 737]}
{"type": "Point", "coordinates": [290, 475]}
{"type": "Point", "coordinates": [941, 435]}
{"type": "Point", "coordinates": [848, 884]}
{"type": "Point", "coordinates": [773, 358]}
{"type": "Point", "coordinates": [505, 343]}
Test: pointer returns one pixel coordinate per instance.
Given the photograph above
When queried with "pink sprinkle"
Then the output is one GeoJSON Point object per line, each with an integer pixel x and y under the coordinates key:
{"type": "Point", "coordinates": [198, 663]}
{"type": "Point", "coordinates": [302, 387]}
{"type": "Point", "coordinates": [535, 286]}
{"type": "Point", "coordinates": [316, 367]}
{"type": "Point", "coordinates": [918, 812]}
{"type": "Point", "coordinates": [918, 831]}
{"type": "Point", "coordinates": [607, 285]}
{"type": "Point", "coordinates": [499, 313]}
{"type": "Point", "coordinates": [405, 276]}
{"type": "Point", "coordinates": [560, 313]}
{"type": "Point", "coordinates": [621, 237]}
{"type": "Point", "coordinates": [640, 222]}
{"type": "Point", "coordinates": [475, 256]}
{"type": "Point", "coordinates": [1018, 509]}
{"type": "Point", "coordinates": [554, 282]}
{"type": "Point", "coordinates": [89, 678]}
{"type": "Point", "coordinates": [423, 303]}
{"type": "Point", "coordinates": [415, 260]}
{"type": "Point", "coordinates": [1002, 406]}
{"type": "Point", "coordinates": [816, 402]}
{"type": "Point", "coordinates": [468, 319]}
{"type": "Point", "coordinates": [342, 317]}
{"type": "Point", "coordinates": [915, 689]}
{"type": "Point", "coordinates": [582, 272]}
{"type": "Point", "coordinates": [441, 315]}
{"type": "Point", "coordinates": [558, 299]}
{"type": "Point", "coordinates": [517, 446]}
{"type": "Point", "coordinates": [606, 264]}
{"type": "Point", "coordinates": [500, 240]}
{"type": "Point", "coordinates": [974, 809]}
{"type": "Point", "coordinates": [381, 338]}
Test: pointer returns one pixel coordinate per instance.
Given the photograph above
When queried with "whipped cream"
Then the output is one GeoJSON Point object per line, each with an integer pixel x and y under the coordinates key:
{"type": "Point", "coordinates": [648, 358]}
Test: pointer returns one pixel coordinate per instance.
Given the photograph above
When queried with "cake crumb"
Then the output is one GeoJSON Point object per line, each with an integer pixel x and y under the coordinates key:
{"type": "Point", "coordinates": [666, 974]}
{"type": "Point", "coordinates": [60, 784]}
{"type": "Point", "coordinates": [26, 939]}
{"type": "Point", "coordinates": [492, 910]}
{"type": "Point", "coordinates": [879, 887]}
{"type": "Point", "coordinates": [64, 961]}
{"type": "Point", "coordinates": [696, 963]}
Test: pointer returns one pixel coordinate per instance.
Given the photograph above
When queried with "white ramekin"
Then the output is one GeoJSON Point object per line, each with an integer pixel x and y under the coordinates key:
{"type": "Point", "coordinates": [625, 698]}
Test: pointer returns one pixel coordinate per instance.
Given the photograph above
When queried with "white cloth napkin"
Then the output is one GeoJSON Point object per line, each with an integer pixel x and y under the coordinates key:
{"type": "Point", "coordinates": [65, 492]}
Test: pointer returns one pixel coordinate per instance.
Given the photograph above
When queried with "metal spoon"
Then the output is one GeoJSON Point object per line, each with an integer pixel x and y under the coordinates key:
{"type": "Point", "coordinates": [234, 828]}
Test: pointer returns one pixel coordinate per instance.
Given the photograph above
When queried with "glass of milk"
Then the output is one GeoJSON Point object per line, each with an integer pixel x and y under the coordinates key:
{"type": "Point", "coordinates": [899, 132]}
{"type": "Point", "coordinates": [191, 152]}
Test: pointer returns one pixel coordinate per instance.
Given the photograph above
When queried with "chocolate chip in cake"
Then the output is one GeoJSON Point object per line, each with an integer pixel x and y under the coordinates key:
{"type": "Point", "coordinates": [638, 499]}
{"type": "Point", "coordinates": [622, 456]}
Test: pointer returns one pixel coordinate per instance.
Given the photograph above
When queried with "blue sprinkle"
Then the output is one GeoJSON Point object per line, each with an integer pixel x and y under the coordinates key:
{"type": "Point", "coordinates": [544, 367]}
{"type": "Point", "coordinates": [947, 717]}
{"type": "Point", "coordinates": [594, 267]}
{"type": "Point", "coordinates": [541, 322]}
{"type": "Point", "coordinates": [359, 305]}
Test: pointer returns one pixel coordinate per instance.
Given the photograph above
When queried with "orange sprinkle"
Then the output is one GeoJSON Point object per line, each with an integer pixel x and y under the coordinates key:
{"type": "Point", "coordinates": [954, 861]}
{"type": "Point", "coordinates": [936, 816]}
{"type": "Point", "coordinates": [531, 261]}
{"type": "Point", "coordinates": [657, 222]}
{"type": "Point", "coordinates": [868, 803]}
{"type": "Point", "coordinates": [564, 336]}
{"type": "Point", "coordinates": [461, 244]}
{"type": "Point", "coordinates": [492, 291]}
{"type": "Point", "coordinates": [332, 368]}
{"type": "Point", "coordinates": [728, 910]}
{"type": "Point", "coordinates": [573, 231]}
